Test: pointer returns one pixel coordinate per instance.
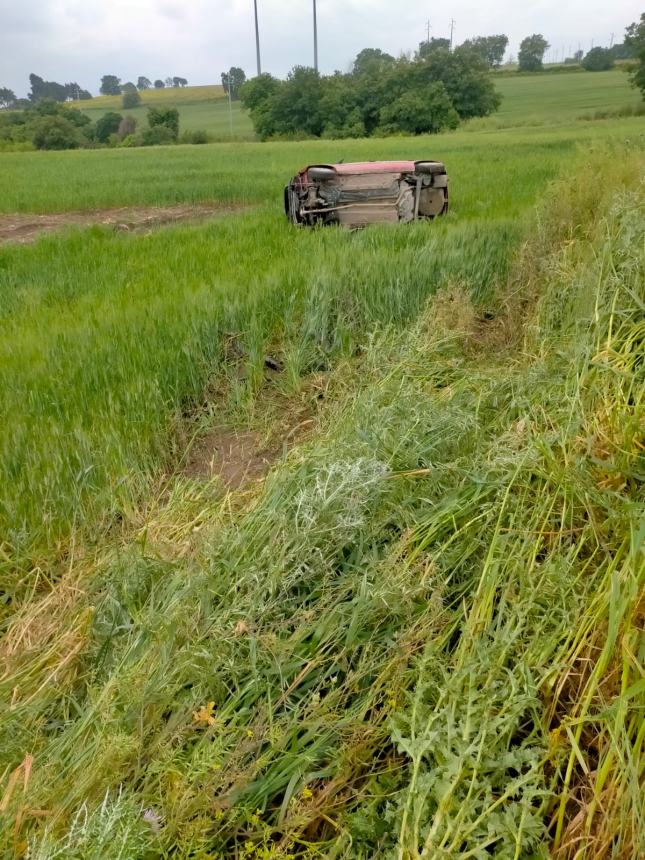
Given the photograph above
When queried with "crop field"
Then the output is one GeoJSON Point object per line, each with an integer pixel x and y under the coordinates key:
{"type": "Point", "coordinates": [326, 544]}
{"type": "Point", "coordinates": [558, 98]}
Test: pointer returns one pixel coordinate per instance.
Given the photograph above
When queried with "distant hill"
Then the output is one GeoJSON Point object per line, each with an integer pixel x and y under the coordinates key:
{"type": "Point", "coordinates": [169, 96]}
{"type": "Point", "coordinates": [204, 108]}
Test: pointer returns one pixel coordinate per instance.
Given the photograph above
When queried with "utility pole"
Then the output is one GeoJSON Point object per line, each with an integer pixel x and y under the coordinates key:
{"type": "Point", "coordinates": [427, 31]}
{"type": "Point", "coordinates": [452, 27]}
{"type": "Point", "coordinates": [611, 41]}
{"type": "Point", "coordinates": [257, 37]}
{"type": "Point", "coordinates": [230, 102]}
{"type": "Point", "coordinates": [315, 39]}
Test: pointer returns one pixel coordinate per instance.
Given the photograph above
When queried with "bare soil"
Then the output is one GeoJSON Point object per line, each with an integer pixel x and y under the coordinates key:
{"type": "Point", "coordinates": [23, 228]}
{"type": "Point", "coordinates": [235, 458]}
{"type": "Point", "coordinates": [244, 456]}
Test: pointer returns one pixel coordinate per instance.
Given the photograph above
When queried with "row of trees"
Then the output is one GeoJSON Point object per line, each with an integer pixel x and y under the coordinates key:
{"type": "Point", "coordinates": [111, 84]}
{"type": "Point", "coordinates": [381, 95]}
{"type": "Point", "coordinates": [41, 89]}
{"type": "Point", "coordinates": [533, 48]}
{"type": "Point", "coordinates": [52, 125]}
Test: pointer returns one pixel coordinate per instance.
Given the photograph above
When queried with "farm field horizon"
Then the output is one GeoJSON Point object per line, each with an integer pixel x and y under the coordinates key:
{"type": "Point", "coordinates": [538, 99]}
{"type": "Point", "coordinates": [319, 543]}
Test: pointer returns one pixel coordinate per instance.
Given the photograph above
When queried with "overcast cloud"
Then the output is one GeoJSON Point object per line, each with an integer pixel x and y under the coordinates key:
{"type": "Point", "coordinates": [81, 40]}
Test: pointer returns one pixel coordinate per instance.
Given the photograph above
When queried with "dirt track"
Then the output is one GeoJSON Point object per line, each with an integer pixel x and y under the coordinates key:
{"type": "Point", "coordinates": [24, 228]}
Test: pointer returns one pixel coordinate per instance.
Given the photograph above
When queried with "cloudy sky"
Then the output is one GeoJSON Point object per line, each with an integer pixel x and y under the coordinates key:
{"type": "Point", "coordinates": [80, 40]}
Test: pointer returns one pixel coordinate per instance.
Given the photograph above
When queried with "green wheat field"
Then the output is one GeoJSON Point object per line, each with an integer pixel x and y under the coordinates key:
{"type": "Point", "coordinates": [413, 627]}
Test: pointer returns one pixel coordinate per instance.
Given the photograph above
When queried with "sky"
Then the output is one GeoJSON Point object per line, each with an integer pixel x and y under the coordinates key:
{"type": "Point", "coordinates": [81, 40]}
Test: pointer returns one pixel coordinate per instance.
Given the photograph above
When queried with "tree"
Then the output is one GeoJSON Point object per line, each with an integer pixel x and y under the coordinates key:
{"type": "Point", "coordinates": [380, 93]}
{"type": "Point", "coordinates": [7, 97]}
{"type": "Point", "coordinates": [598, 60]}
{"type": "Point", "coordinates": [128, 87]}
{"type": "Point", "coordinates": [75, 92]}
{"type": "Point", "coordinates": [621, 51]}
{"type": "Point", "coordinates": [532, 50]}
{"type": "Point", "coordinates": [233, 80]}
{"type": "Point", "coordinates": [130, 99]}
{"type": "Point", "coordinates": [159, 84]}
{"type": "Point", "coordinates": [430, 45]}
{"type": "Point", "coordinates": [166, 117]}
{"type": "Point", "coordinates": [578, 55]}
{"type": "Point", "coordinates": [143, 83]}
{"type": "Point", "coordinates": [41, 89]}
{"type": "Point", "coordinates": [465, 76]}
{"type": "Point", "coordinates": [426, 111]}
{"type": "Point", "coordinates": [340, 107]}
{"type": "Point", "coordinates": [168, 81]}
{"type": "Point", "coordinates": [55, 132]}
{"type": "Point", "coordinates": [491, 48]}
{"type": "Point", "coordinates": [110, 85]}
{"type": "Point", "coordinates": [106, 125]}
{"type": "Point", "coordinates": [257, 97]}
{"type": "Point", "coordinates": [179, 82]}
{"type": "Point", "coordinates": [297, 103]}
{"type": "Point", "coordinates": [372, 61]}
{"type": "Point", "coordinates": [635, 42]}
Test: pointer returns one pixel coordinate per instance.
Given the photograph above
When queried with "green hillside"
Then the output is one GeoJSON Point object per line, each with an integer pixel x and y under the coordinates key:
{"type": "Point", "coordinates": [552, 98]}
{"type": "Point", "coordinates": [204, 108]}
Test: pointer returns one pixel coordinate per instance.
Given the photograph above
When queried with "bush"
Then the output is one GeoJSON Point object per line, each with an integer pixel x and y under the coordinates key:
{"type": "Point", "coordinates": [55, 132]}
{"type": "Point", "coordinates": [160, 117]}
{"type": "Point", "coordinates": [196, 136]}
{"type": "Point", "coordinates": [428, 111]}
{"type": "Point", "coordinates": [131, 99]}
{"type": "Point", "coordinates": [598, 60]}
{"type": "Point", "coordinates": [131, 140]}
{"type": "Point", "coordinates": [427, 94]}
{"type": "Point", "coordinates": [106, 125]}
{"type": "Point", "coordinates": [158, 135]}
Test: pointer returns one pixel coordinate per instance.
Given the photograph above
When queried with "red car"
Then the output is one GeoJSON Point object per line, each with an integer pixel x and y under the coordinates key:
{"type": "Point", "coordinates": [367, 192]}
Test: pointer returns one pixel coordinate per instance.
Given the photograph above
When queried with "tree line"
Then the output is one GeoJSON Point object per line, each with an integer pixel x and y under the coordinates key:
{"type": "Point", "coordinates": [49, 124]}
{"type": "Point", "coordinates": [111, 84]}
{"type": "Point", "coordinates": [433, 91]}
{"type": "Point", "coordinates": [598, 59]}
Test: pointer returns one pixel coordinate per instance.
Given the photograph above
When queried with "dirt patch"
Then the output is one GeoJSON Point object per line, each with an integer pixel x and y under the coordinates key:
{"type": "Point", "coordinates": [235, 458]}
{"type": "Point", "coordinates": [24, 228]}
{"type": "Point", "coordinates": [239, 457]}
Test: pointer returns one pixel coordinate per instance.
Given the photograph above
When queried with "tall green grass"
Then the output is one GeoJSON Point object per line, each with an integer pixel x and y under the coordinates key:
{"type": "Point", "coordinates": [420, 638]}
{"type": "Point", "coordinates": [97, 368]}
{"type": "Point", "coordinates": [506, 168]}
{"type": "Point", "coordinates": [109, 340]}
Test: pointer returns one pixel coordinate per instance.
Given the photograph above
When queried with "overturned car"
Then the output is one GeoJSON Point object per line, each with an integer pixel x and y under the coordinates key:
{"type": "Point", "coordinates": [367, 192]}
